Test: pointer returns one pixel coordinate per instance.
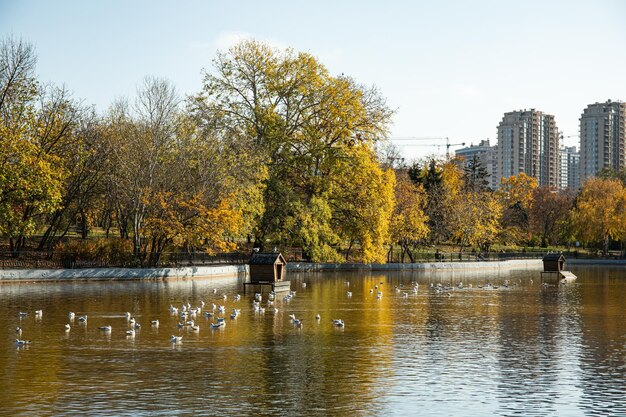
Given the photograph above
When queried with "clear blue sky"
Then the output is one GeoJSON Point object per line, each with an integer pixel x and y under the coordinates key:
{"type": "Point", "coordinates": [450, 68]}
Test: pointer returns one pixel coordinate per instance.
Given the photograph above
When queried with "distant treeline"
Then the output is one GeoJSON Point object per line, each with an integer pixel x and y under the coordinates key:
{"type": "Point", "coordinates": [274, 151]}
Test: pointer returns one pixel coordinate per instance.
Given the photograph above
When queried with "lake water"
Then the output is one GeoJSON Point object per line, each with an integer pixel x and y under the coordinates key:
{"type": "Point", "coordinates": [523, 350]}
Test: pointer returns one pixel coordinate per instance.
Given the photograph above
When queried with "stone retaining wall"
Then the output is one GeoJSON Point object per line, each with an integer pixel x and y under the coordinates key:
{"type": "Point", "coordinates": [39, 275]}
{"type": "Point", "coordinates": [430, 266]}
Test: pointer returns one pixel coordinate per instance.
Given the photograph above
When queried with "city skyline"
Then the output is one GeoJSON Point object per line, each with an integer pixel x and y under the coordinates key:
{"type": "Point", "coordinates": [474, 61]}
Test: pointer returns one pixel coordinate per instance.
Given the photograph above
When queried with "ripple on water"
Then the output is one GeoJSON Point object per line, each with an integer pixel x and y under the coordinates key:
{"type": "Point", "coordinates": [518, 351]}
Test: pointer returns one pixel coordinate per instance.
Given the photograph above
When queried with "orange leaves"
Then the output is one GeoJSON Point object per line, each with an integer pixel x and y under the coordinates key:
{"type": "Point", "coordinates": [182, 218]}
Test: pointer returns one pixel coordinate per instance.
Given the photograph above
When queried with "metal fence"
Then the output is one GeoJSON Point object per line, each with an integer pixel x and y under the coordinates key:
{"type": "Point", "coordinates": [58, 260]}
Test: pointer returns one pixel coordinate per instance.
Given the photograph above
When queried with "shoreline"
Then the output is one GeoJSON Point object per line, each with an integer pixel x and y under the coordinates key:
{"type": "Point", "coordinates": [120, 274]}
{"type": "Point", "coordinates": [235, 271]}
{"type": "Point", "coordinates": [425, 266]}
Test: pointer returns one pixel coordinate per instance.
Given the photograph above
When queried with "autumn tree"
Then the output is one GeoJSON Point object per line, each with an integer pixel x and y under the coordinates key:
{"type": "Point", "coordinates": [173, 181]}
{"type": "Point", "coordinates": [409, 220]}
{"type": "Point", "coordinates": [31, 174]}
{"type": "Point", "coordinates": [363, 202]}
{"type": "Point", "coordinates": [600, 212]}
{"type": "Point", "coordinates": [476, 220]}
{"type": "Point", "coordinates": [549, 210]}
{"type": "Point", "coordinates": [474, 211]}
{"type": "Point", "coordinates": [304, 124]}
{"type": "Point", "coordinates": [442, 182]}
{"type": "Point", "coordinates": [515, 195]}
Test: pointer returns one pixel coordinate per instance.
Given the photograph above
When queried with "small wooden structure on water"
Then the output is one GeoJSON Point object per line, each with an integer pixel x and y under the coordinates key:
{"type": "Point", "coordinates": [553, 264]}
{"type": "Point", "coordinates": [268, 269]}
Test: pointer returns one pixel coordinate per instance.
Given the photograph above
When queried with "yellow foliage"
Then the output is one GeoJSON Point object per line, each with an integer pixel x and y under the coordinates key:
{"type": "Point", "coordinates": [366, 202]}
{"type": "Point", "coordinates": [600, 211]}
{"type": "Point", "coordinates": [477, 219]}
{"type": "Point", "coordinates": [180, 219]}
{"type": "Point", "coordinates": [517, 189]}
{"type": "Point", "coordinates": [31, 183]}
{"type": "Point", "coordinates": [409, 219]}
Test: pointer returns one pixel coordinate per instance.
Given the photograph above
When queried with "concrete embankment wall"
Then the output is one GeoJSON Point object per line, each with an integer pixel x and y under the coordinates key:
{"type": "Point", "coordinates": [42, 275]}
{"type": "Point", "coordinates": [38, 275]}
{"type": "Point", "coordinates": [582, 261]}
{"type": "Point", "coordinates": [431, 266]}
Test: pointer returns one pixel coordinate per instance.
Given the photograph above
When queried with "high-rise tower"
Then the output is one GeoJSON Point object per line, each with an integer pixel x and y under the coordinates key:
{"type": "Point", "coordinates": [602, 138]}
{"type": "Point", "coordinates": [528, 142]}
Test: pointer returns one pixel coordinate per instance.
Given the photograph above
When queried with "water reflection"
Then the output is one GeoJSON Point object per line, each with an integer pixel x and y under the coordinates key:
{"type": "Point", "coordinates": [603, 341]}
{"type": "Point", "coordinates": [521, 350]}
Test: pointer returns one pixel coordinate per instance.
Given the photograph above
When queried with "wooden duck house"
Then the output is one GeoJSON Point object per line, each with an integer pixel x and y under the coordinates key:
{"type": "Point", "coordinates": [268, 269]}
{"type": "Point", "coordinates": [553, 264]}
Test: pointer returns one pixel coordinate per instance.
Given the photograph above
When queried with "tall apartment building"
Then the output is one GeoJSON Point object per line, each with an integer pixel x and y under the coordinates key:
{"type": "Point", "coordinates": [492, 167]}
{"type": "Point", "coordinates": [528, 142]}
{"type": "Point", "coordinates": [487, 156]}
{"type": "Point", "coordinates": [570, 168]}
{"type": "Point", "coordinates": [602, 138]}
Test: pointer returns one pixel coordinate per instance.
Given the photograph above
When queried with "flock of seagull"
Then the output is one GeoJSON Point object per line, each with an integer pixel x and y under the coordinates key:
{"type": "Point", "coordinates": [188, 314]}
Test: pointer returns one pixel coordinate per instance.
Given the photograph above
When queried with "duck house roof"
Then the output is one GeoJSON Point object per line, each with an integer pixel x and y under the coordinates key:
{"type": "Point", "coordinates": [266, 259]}
{"type": "Point", "coordinates": [553, 257]}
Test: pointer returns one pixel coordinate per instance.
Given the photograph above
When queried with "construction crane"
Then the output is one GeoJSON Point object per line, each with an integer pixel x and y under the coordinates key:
{"type": "Point", "coordinates": [563, 137]}
{"type": "Point", "coordinates": [448, 144]}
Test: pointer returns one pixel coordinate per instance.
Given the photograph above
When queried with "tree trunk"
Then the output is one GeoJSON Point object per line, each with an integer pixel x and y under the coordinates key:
{"type": "Point", "coordinates": [84, 229]}
{"type": "Point", "coordinates": [410, 253]}
{"type": "Point", "coordinates": [349, 249]}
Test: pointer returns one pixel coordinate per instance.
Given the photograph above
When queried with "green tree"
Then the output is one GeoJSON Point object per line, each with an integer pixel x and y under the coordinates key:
{"type": "Point", "coordinates": [303, 123]}
{"type": "Point", "coordinates": [442, 182]}
{"type": "Point", "coordinates": [475, 175]}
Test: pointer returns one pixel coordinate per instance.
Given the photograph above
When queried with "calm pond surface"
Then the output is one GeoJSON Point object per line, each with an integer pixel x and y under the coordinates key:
{"type": "Point", "coordinates": [523, 350]}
